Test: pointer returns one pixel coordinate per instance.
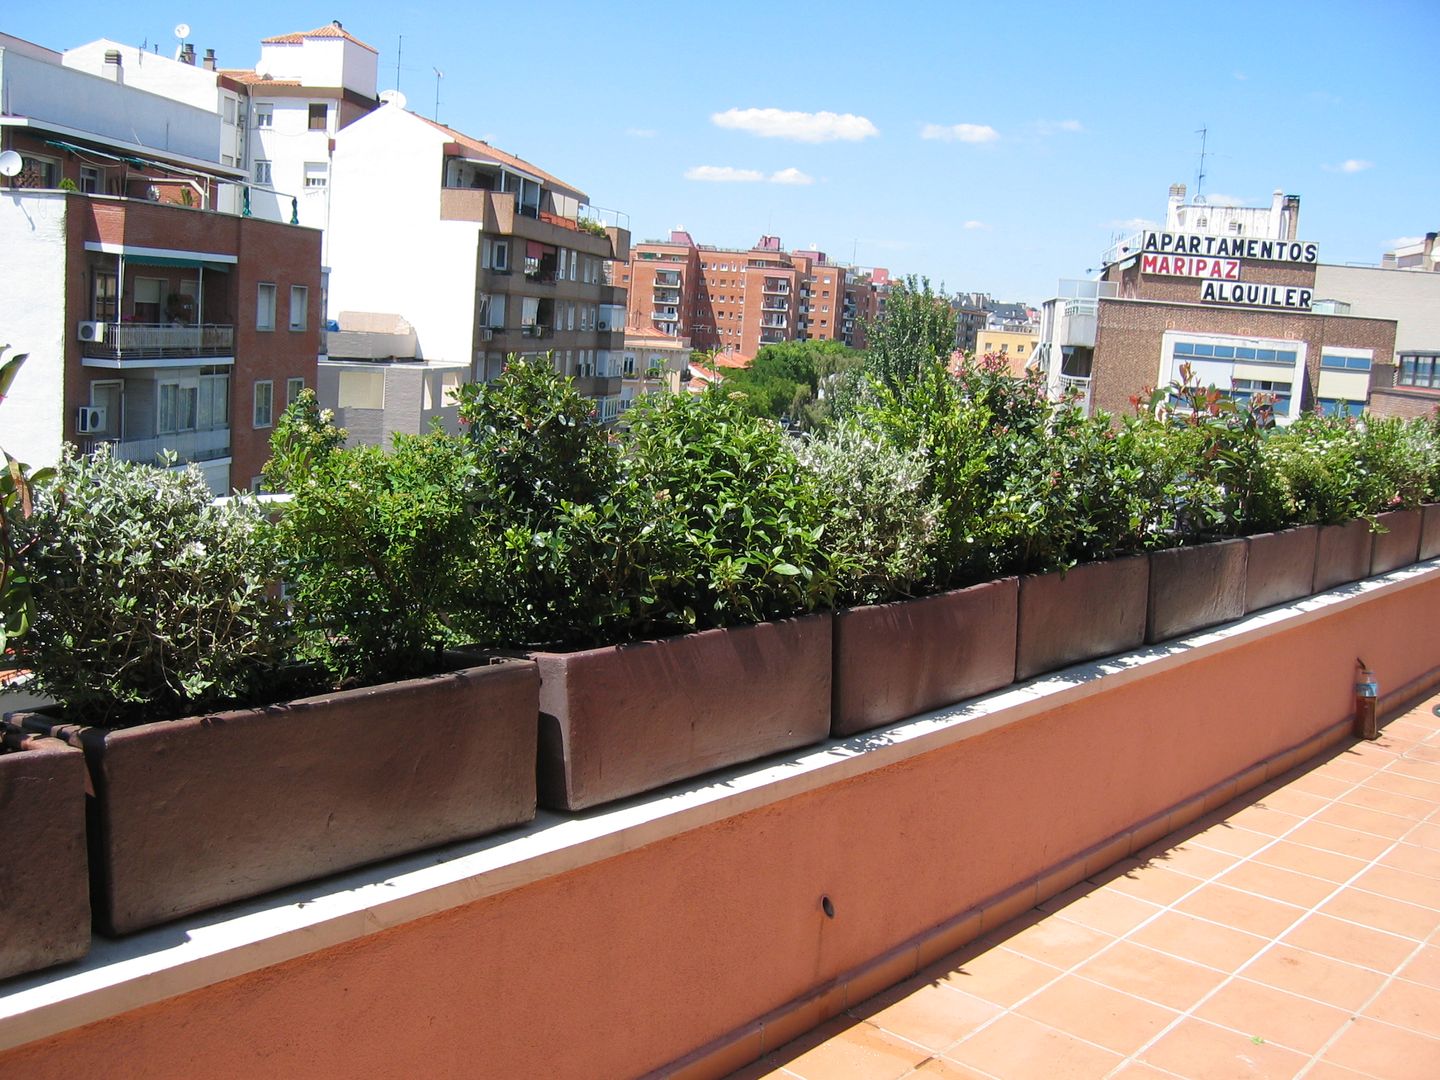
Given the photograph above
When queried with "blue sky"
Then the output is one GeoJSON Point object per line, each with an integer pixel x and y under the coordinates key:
{"type": "Point", "coordinates": [992, 147]}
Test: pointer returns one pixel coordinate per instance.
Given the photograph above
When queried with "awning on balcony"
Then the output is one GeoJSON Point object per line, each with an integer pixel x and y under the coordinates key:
{"type": "Point", "coordinates": [170, 260]}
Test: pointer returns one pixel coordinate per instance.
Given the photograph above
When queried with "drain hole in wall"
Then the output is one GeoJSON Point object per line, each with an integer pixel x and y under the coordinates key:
{"type": "Point", "coordinates": [827, 907]}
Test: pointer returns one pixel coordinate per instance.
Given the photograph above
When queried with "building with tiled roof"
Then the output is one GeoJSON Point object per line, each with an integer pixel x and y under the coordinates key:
{"type": "Point", "coordinates": [329, 30]}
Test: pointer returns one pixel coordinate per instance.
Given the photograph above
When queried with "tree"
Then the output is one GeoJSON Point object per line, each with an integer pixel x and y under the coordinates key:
{"type": "Point", "coordinates": [917, 331]}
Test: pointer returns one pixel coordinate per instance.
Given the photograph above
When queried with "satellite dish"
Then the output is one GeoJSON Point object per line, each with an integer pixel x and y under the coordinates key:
{"type": "Point", "coordinates": [393, 97]}
{"type": "Point", "coordinates": [182, 31]}
{"type": "Point", "coordinates": [10, 163]}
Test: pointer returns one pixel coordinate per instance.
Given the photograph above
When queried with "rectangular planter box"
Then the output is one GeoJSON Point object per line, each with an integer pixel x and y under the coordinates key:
{"type": "Point", "coordinates": [1195, 587]}
{"type": "Point", "coordinates": [1093, 610]}
{"type": "Point", "coordinates": [1280, 566]}
{"type": "Point", "coordinates": [44, 887]}
{"type": "Point", "coordinates": [1399, 544]}
{"type": "Point", "coordinates": [1342, 554]}
{"type": "Point", "coordinates": [1430, 531]}
{"type": "Point", "coordinates": [623, 719]}
{"type": "Point", "coordinates": [190, 814]}
{"type": "Point", "coordinates": [896, 660]}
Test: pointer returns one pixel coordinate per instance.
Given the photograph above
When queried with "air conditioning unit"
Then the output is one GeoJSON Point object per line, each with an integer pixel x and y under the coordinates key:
{"type": "Point", "coordinates": [92, 331]}
{"type": "Point", "coordinates": [602, 326]}
{"type": "Point", "coordinates": [88, 418]}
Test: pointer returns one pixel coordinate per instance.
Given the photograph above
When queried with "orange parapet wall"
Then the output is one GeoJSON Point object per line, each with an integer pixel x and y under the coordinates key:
{"type": "Point", "coordinates": [693, 933]}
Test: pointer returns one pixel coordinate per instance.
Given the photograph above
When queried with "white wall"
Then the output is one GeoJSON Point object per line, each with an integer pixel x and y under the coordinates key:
{"type": "Point", "coordinates": [1410, 297]}
{"type": "Point", "coordinates": [32, 320]}
{"type": "Point", "coordinates": [91, 103]}
{"type": "Point", "coordinates": [190, 85]}
{"type": "Point", "coordinates": [388, 248]}
{"type": "Point", "coordinates": [319, 61]}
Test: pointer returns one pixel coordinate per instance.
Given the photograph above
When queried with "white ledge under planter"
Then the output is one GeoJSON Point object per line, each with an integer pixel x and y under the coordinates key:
{"type": "Point", "coordinates": [716, 918]}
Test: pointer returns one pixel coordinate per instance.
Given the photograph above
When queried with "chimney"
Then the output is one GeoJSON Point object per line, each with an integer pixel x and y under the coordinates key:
{"type": "Point", "coordinates": [336, 23]}
{"type": "Point", "coordinates": [187, 54]}
{"type": "Point", "coordinates": [113, 69]}
{"type": "Point", "coordinates": [1290, 218]}
{"type": "Point", "coordinates": [209, 61]}
{"type": "Point", "coordinates": [1430, 252]}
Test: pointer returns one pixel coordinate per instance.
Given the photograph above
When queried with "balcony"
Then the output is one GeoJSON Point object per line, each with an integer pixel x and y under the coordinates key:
{"type": "Point", "coordinates": [667, 279]}
{"type": "Point", "coordinates": [187, 446]}
{"type": "Point", "coordinates": [771, 337]}
{"type": "Point", "coordinates": [1078, 321]}
{"type": "Point", "coordinates": [537, 330]}
{"type": "Point", "coordinates": [666, 296]}
{"type": "Point", "coordinates": [776, 322]}
{"type": "Point", "coordinates": [497, 213]}
{"type": "Point", "coordinates": [775, 288]}
{"type": "Point", "coordinates": [598, 386]}
{"type": "Point", "coordinates": [774, 305]}
{"type": "Point", "coordinates": [1079, 386]}
{"type": "Point", "coordinates": [125, 344]}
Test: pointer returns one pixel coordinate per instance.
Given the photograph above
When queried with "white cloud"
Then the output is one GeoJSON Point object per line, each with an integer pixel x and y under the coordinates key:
{"type": "Point", "coordinates": [970, 133]}
{"type": "Point", "coordinates": [641, 133]}
{"type": "Point", "coordinates": [976, 225]}
{"type": "Point", "coordinates": [1055, 127]}
{"type": "Point", "coordinates": [1350, 165]}
{"type": "Point", "coordinates": [724, 174]}
{"type": "Point", "coordinates": [791, 176]}
{"type": "Point", "coordinates": [814, 127]}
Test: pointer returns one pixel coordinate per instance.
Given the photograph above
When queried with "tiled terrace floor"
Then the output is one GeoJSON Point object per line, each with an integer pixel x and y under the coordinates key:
{"type": "Point", "coordinates": [1294, 932]}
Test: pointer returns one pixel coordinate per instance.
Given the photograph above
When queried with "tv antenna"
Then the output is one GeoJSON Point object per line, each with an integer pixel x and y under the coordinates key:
{"type": "Point", "coordinates": [1200, 176]}
{"type": "Point", "coordinates": [438, 76]}
{"type": "Point", "coordinates": [10, 163]}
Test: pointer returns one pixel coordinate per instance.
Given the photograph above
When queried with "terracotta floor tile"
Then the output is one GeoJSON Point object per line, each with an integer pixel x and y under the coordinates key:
{"type": "Point", "coordinates": [1346, 766]}
{"type": "Point", "coordinates": [997, 976]}
{"type": "Point", "coordinates": [1191, 938]}
{"type": "Point", "coordinates": [1383, 913]}
{"type": "Point", "coordinates": [1151, 881]}
{"type": "Point", "coordinates": [1241, 910]}
{"type": "Point", "coordinates": [1399, 784]}
{"type": "Point", "coordinates": [1310, 860]}
{"type": "Point", "coordinates": [1188, 858]}
{"type": "Point", "coordinates": [1424, 967]}
{"type": "Point", "coordinates": [1414, 860]}
{"type": "Point", "coordinates": [855, 1051]}
{"type": "Point", "coordinates": [933, 1016]}
{"type": "Point", "coordinates": [1098, 1014]}
{"type": "Point", "coordinates": [1203, 1051]}
{"type": "Point", "coordinates": [1018, 1048]}
{"type": "Point", "coordinates": [1365, 821]}
{"type": "Point", "coordinates": [1353, 944]}
{"type": "Point", "coordinates": [1388, 802]}
{"type": "Point", "coordinates": [1401, 885]}
{"type": "Point", "coordinates": [1138, 1070]}
{"type": "Point", "coordinates": [1408, 1005]}
{"type": "Point", "coordinates": [1108, 912]}
{"type": "Point", "coordinates": [1145, 973]}
{"type": "Point", "coordinates": [1315, 782]}
{"type": "Point", "coordinates": [1324, 1070]}
{"type": "Point", "coordinates": [1302, 890]}
{"type": "Point", "coordinates": [1424, 836]}
{"type": "Point", "coordinates": [1273, 1015]}
{"type": "Point", "coordinates": [1232, 839]}
{"type": "Point", "coordinates": [1058, 942]}
{"type": "Point", "coordinates": [1381, 1050]}
{"type": "Point", "coordinates": [1341, 840]}
{"type": "Point", "coordinates": [1291, 800]}
{"type": "Point", "coordinates": [1308, 974]}
{"type": "Point", "coordinates": [1420, 770]}
{"type": "Point", "coordinates": [1425, 753]}
{"type": "Point", "coordinates": [1268, 820]}
{"type": "Point", "coordinates": [940, 1069]}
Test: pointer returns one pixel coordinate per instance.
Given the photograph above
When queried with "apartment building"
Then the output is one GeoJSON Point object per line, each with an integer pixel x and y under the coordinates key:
{"type": "Point", "coordinates": [1230, 292]}
{"type": "Point", "coordinates": [652, 361]}
{"type": "Point", "coordinates": [154, 321]}
{"type": "Point", "coordinates": [483, 253]}
{"type": "Point", "coordinates": [738, 300]}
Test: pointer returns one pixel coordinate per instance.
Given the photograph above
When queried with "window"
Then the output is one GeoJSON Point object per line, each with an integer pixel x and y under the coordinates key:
{"type": "Point", "coordinates": [147, 299]}
{"type": "Point", "coordinates": [229, 109]}
{"type": "Point", "coordinates": [104, 307]}
{"type": "Point", "coordinates": [317, 174]}
{"type": "Point", "coordinates": [38, 172]}
{"type": "Point", "coordinates": [317, 116]}
{"type": "Point", "coordinates": [1419, 369]}
{"type": "Point", "coordinates": [89, 180]}
{"type": "Point", "coordinates": [292, 390]}
{"type": "Point", "coordinates": [362, 390]}
{"type": "Point", "coordinates": [213, 410]}
{"type": "Point", "coordinates": [500, 255]}
{"type": "Point", "coordinates": [264, 114]}
{"type": "Point", "coordinates": [299, 307]}
{"type": "Point", "coordinates": [177, 406]}
{"type": "Point", "coordinates": [1336, 362]}
{"type": "Point", "coordinates": [265, 306]}
{"type": "Point", "coordinates": [264, 403]}
{"type": "Point", "coordinates": [262, 173]}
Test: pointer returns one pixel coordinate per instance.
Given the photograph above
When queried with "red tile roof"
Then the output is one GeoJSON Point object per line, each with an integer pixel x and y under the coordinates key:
{"type": "Point", "coordinates": [251, 78]}
{"type": "Point", "coordinates": [494, 154]}
{"type": "Point", "coordinates": [329, 30]}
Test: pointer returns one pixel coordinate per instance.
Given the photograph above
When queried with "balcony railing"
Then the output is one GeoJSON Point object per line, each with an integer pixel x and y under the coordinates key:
{"type": "Point", "coordinates": [774, 305]}
{"type": "Point", "coordinates": [536, 330]}
{"type": "Point", "coordinates": [667, 279]}
{"type": "Point", "coordinates": [1075, 384]}
{"type": "Point", "coordinates": [137, 341]}
{"type": "Point", "coordinates": [187, 446]}
{"type": "Point", "coordinates": [777, 288]}
{"type": "Point", "coordinates": [778, 322]}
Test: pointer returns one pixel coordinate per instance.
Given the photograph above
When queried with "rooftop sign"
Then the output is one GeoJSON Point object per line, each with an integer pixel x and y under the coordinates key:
{"type": "Point", "coordinates": [1230, 247]}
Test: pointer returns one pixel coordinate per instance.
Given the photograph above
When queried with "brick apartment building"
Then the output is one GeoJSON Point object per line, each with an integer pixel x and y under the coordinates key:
{"type": "Point", "coordinates": [737, 300]}
{"type": "Point", "coordinates": [154, 322]}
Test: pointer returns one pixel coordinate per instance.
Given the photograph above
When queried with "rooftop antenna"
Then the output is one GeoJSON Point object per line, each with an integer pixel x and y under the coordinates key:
{"type": "Point", "coordinates": [1200, 176]}
{"type": "Point", "coordinates": [438, 76]}
{"type": "Point", "coordinates": [399, 48]}
{"type": "Point", "coordinates": [182, 31]}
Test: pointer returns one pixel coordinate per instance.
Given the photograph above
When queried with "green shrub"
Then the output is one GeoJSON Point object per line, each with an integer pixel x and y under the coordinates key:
{"type": "Point", "coordinates": [741, 523]}
{"type": "Point", "coordinates": [378, 548]}
{"type": "Point", "coordinates": [150, 603]}
{"type": "Point", "coordinates": [880, 520]}
{"type": "Point", "coordinates": [17, 499]}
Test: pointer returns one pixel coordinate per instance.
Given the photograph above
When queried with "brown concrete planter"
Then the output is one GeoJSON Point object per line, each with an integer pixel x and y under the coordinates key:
{"type": "Point", "coordinates": [44, 888]}
{"type": "Point", "coordinates": [1399, 544]}
{"type": "Point", "coordinates": [190, 814]}
{"type": "Point", "coordinates": [1195, 587]}
{"type": "Point", "coordinates": [623, 719]}
{"type": "Point", "coordinates": [1094, 610]}
{"type": "Point", "coordinates": [1280, 566]}
{"type": "Point", "coordinates": [1430, 531]}
{"type": "Point", "coordinates": [1342, 554]}
{"type": "Point", "coordinates": [896, 660]}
